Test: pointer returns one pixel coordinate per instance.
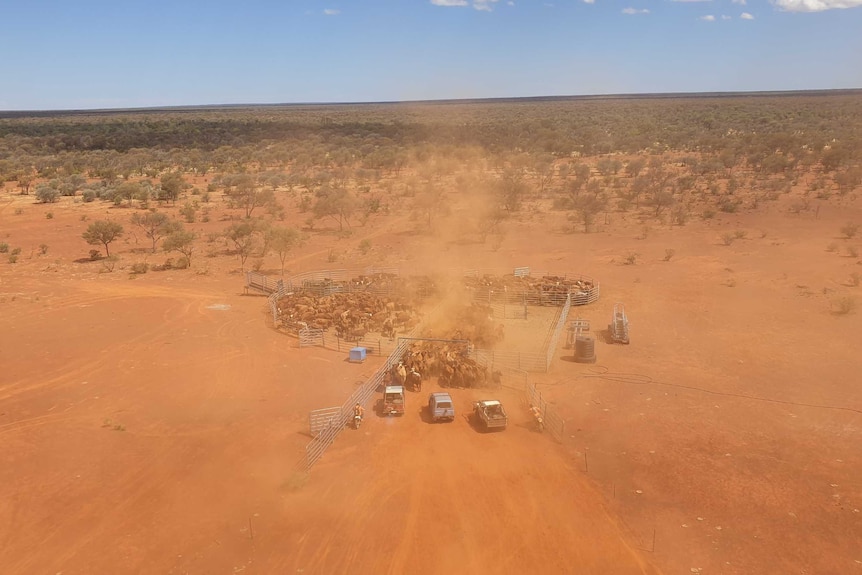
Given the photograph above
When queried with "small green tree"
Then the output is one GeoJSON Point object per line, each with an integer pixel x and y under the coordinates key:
{"type": "Point", "coordinates": [155, 225]}
{"type": "Point", "coordinates": [172, 185]}
{"type": "Point", "coordinates": [587, 207]}
{"type": "Point", "coordinates": [282, 241]}
{"type": "Point", "coordinates": [103, 232]}
{"type": "Point", "coordinates": [242, 236]}
{"type": "Point", "coordinates": [181, 241]}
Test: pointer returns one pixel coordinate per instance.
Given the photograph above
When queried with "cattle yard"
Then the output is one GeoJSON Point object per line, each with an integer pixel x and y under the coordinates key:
{"type": "Point", "coordinates": [450, 328]}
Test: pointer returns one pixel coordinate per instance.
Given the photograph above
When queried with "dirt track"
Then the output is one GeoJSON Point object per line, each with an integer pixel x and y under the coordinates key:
{"type": "Point", "coordinates": [418, 497]}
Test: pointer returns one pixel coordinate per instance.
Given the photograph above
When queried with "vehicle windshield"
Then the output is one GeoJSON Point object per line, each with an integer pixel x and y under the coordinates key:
{"type": "Point", "coordinates": [444, 405]}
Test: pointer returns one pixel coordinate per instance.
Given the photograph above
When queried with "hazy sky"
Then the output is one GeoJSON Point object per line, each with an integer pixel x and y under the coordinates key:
{"type": "Point", "coordinates": [114, 53]}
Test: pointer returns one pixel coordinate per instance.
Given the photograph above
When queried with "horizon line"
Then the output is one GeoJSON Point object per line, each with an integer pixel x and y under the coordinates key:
{"type": "Point", "coordinates": [479, 100]}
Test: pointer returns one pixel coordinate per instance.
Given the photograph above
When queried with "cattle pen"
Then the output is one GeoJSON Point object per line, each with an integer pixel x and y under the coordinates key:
{"type": "Point", "coordinates": [507, 295]}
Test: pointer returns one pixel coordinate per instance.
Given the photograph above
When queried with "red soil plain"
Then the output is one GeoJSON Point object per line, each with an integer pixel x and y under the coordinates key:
{"type": "Point", "coordinates": [154, 423]}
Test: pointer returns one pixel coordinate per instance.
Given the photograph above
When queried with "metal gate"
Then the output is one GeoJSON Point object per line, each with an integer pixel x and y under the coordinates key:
{"type": "Point", "coordinates": [554, 424]}
{"type": "Point", "coordinates": [310, 336]}
{"type": "Point", "coordinates": [322, 418]}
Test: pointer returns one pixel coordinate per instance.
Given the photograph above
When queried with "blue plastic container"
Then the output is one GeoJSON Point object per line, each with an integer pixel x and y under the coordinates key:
{"type": "Point", "coordinates": [357, 354]}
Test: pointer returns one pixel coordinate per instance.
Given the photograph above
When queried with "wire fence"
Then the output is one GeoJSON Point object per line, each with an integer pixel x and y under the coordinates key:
{"type": "Point", "coordinates": [553, 421]}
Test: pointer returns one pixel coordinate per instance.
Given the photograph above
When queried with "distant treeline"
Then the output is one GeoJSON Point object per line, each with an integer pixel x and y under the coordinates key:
{"type": "Point", "coordinates": [378, 136]}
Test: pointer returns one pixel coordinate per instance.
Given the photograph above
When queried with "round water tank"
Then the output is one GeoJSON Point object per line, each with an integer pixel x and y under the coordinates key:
{"type": "Point", "coordinates": [585, 349]}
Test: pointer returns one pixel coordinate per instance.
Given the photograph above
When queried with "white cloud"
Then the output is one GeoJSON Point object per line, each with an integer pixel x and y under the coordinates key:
{"type": "Point", "coordinates": [510, 3]}
{"type": "Point", "coordinates": [589, 1]}
{"type": "Point", "coordinates": [331, 12]}
{"type": "Point", "coordinates": [740, 2]}
{"type": "Point", "coordinates": [449, 2]}
{"type": "Point", "coordinates": [484, 5]}
{"type": "Point", "coordinates": [707, 18]}
{"type": "Point", "coordinates": [746, 16]}
{"type": "Point", "coordinates": [633, 11]}
{"type": "Point", "coordinates": [814, 5]}
{"type": "Point", "coordinates": [725, 17]}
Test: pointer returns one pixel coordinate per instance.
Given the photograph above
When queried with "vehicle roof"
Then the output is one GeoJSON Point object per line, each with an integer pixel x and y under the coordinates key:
{"type": "Point", "coordinates": [394, 389]}
{"type": "Point", "coordinates": [441, 394]}
{"type": "Point", "coordinates": [489, 402]}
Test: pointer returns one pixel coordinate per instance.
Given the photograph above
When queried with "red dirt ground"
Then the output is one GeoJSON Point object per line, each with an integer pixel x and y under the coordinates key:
{"type": "Point", "coordinates": [144, 428]}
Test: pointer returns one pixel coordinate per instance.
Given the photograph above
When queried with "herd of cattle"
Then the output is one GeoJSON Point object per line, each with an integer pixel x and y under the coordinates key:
{"type": "Point", "coordinates": [449, 362]}
{"type": "Point", "coordinates": [387, 303]}
{"type": "Point", "coordinates": [544, 290]}
{"type": "Point", "coordinates": [351, 314]}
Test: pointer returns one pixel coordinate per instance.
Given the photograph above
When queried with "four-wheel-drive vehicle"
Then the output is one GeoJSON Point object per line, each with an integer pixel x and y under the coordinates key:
{"type": "Point", "coordinates": [440, 406]}
{"type": "Point", "coordinates": [490, 414]}
{"type": "Point", "coordinates": [393, 400]}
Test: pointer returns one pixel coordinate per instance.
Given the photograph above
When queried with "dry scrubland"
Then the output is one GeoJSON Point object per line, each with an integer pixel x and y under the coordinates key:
{"type": "Point", "coordinates": [151, 419]}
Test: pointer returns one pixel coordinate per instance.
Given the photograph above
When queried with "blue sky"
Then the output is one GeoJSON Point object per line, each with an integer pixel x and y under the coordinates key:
{"type": "Point", "coordinates": [66, 54]}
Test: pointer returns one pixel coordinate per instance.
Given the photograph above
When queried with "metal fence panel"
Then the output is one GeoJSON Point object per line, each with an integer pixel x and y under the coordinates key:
{"type": "Point", "coordinates": [320, 419]}
{"type": "Point", "coordinates": [558, 331]}
{"type": "Point", "coordinates": [310, 336]}
{"type": "Point", "coordinates": [554, 423]}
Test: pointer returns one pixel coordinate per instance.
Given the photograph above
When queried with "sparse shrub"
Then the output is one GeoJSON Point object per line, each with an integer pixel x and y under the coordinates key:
{"type": "Point", "coordinates": [47, 194]}
{"type": "Point", "coordinates": [4, 248]}
{"type": "Point", "coordinates": [140, 267]}
{"type": "Point", "coordinates": [631, 259]}
{"type": "Point", "coordinates": [799, 207]}
{"type": "Point", "coordinates": [727, 206]}
{"type": "Point", "coordinates": [95, 255]}
{"type": "Point", "coordinates": [843, 306]}
{"type": "Point", "coordinates": [730, 283]}
{"type": "Point", "coordinates": [849, 230]}
{"type": "Point", "coordinates": [668, 254]}
{"type": "Point", "coordinates": [645, 232]}
{"type": "Point", "coordinates": [49, 216]}
{"type": "Point", "coordinates": [84, 217]}
{"type": "Point", "coordinates": [43, 249]}
{"type": "Point", "coordinates": [727, 238]}
{"type": "Point", "coordinates": [257, 264]}
{"type": "Point", "coordinates": [740, 234]}
{"type": "Point", "coordinates": [708, 214]}
{"type": "Point", "coordinates": [19, 211]}
{"type": "Point", "coordinates": [188, 211]}
{"type": "Point", "coordinates": [108, 263]}
{"type": "Point", "coordinates": [182, 263]}
{"type": "Point", "coordinates": [832, 247]}
{"type": "Point", "coordinates": [679, 216]}
{"type": "Point", "coordinates": [88, 196]}
{"type": "Point", "coordinates": [854, 279]}
{"type": "Point", "coordinates": [364, 246]}
{"type": "Point", "coordinates": [13, 258]}
{"type": "Point", "coordinates": [16, 251]}
{"type": "Point", "coordinates": [853, 251]}
{"type": "Point", "coordinates": [305, 203]}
